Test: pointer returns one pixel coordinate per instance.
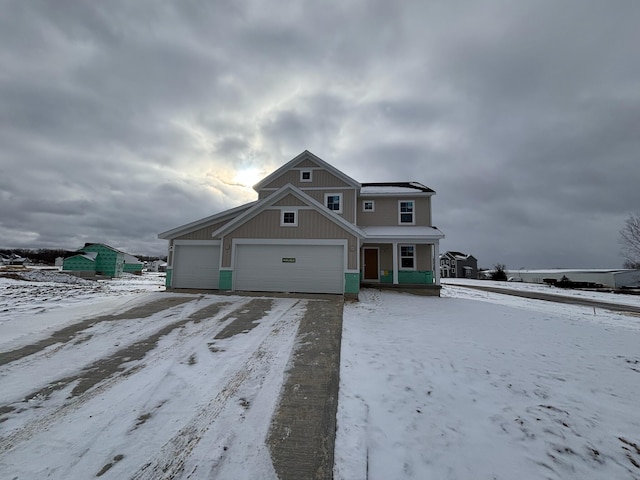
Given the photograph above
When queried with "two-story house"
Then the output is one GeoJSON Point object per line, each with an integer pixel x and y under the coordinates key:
{"type": "Point", "coordinates": [312, 229]}
{"type": "Point", "coordinates": [458, 265]}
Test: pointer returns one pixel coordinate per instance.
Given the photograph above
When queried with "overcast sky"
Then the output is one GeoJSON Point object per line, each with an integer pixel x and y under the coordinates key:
{"type": "Point", "coordinates": [123, 119]}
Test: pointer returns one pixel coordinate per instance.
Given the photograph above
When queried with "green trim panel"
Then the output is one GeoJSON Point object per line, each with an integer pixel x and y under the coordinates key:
{"type": "Point", "coordinates": [351, 282]}
{"type": "Point", "coordinates": [415, 277]}
{"type": "Point", "coordinates": [226, 280]}
{"type": "Point", "coordinates": [167, 281]}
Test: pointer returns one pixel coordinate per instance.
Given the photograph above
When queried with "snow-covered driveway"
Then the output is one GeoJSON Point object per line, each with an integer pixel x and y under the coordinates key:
{"type": "Point", "coordinates": [161, 385]}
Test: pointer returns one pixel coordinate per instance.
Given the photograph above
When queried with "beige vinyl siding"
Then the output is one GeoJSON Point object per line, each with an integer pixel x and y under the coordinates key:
{"type": "Point", "coordinates": [348, 201]}
{"type": "Point", "coordinates": [386, 211]}
{"type": "Point", "coordinates": [203, 233]}
{"type": "Point", "coordinates": [290, 201]}
{"type": "Point", "coordinates": [321, 178]}
{"type": "Point", "coordinates": [423, 252]}
{"type": "Point", "coordinates": [307, 163]}
{"type": "Point", "coordinates": [311, 225]}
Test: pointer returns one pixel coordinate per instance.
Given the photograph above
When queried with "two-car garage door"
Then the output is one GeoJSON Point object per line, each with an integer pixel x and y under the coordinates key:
{"type": "Point", "coordinates": [289, 268]}
{"type": "Point", "coordinates": [196, 265]}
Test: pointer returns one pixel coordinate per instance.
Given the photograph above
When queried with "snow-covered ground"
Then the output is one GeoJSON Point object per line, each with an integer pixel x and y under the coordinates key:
{"type": "Point", "coordinates": [471, 385]}
{"type": "Point", "coordinates": [487, 386]}
{"type": "Point", "coordinates": [168, 392]}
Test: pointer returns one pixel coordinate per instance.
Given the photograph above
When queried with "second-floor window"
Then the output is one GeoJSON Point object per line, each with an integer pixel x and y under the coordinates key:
{"type": "Point", "coordinates": [368, 206]}
{"type": "Point", "coordinates": [333, 201]}
{"type": "Point", "coordinates": [406, 212]}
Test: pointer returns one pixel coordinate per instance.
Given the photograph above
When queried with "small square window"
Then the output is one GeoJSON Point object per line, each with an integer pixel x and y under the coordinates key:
{"type": "Point", "coordinates": [368, 206]}
{"type": "Point", "coordinates": [333, 201]}
{"type": "Point", "coordinates": [306, 176]}
{"type": "Point", "coordinates": [289, 218]}
{"type": "Point", "coordinates": [405, 212]}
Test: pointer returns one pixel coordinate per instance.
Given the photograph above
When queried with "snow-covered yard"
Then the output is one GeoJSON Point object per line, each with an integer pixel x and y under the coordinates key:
{"type": "Point", "coordinates": [486, 386]}
{"type": "Point", "coordinates": [472, 385]}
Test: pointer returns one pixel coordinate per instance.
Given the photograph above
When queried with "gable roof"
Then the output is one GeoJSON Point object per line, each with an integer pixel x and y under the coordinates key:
{"type": "Point", "coordinates": [306, 155]}
{"type": "Point", "coordinates": [204, 222]}
{"type": "Point", "coordinates": [458, 255]}
{"type": "Point", "coordinates": [88, 255]}
{"type": "Point", "coordinates": [277, 196]}
{"type": "Point", "coordinates": [90, 244]}
{"type": "Point", "coordinates": [130, 259]}
{"type": "Point", "coordinates": [382, 188]}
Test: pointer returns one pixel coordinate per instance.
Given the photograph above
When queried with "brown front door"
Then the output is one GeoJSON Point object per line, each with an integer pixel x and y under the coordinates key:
{"type": "Point", "coordinates": [371, 264]}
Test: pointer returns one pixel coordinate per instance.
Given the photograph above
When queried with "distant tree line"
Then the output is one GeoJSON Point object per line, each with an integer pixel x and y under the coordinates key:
{"type": "Point", "coordinates": [48, 256]}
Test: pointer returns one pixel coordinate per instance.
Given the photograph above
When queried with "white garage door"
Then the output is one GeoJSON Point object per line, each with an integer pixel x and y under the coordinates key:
{"type": "Point", "coordinates": [196, 266]}
{"type": "Point", "coordinates": [290, 268]}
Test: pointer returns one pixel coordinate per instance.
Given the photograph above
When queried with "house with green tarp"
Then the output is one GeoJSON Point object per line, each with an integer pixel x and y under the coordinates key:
{"type": "Point", "coordinates": [132, 264]}
{"type": "Point", "coordinates": [97, 259]}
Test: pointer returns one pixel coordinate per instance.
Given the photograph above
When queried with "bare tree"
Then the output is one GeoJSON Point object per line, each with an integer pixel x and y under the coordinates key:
{"type": "Point", "coordinates": [630, 241]}
{"type": "Point", "coordinates": [499, 272]}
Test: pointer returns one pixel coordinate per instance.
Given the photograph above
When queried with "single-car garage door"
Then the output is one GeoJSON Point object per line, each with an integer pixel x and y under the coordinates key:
{"type": "Point", "coordinates": [290, 268]}
{"type": "Point", "coordinates": [196, 266]}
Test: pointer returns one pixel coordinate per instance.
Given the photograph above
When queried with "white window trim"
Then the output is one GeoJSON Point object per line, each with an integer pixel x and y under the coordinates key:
{"type": "Point", "coordinates": [400, 257]}
{"type": "Point", "coordinates": [326, 199]}
{"type": "Point", "coordinates": [307, 180]}
{"type": "Point", "coordinates": [413, 214]}
{"type": "Point", "coordinates": [373, 206]}
{"type": "Point", "coordinates": [295, 217]}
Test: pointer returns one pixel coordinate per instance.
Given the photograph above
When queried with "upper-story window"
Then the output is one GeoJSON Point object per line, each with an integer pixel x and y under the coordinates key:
{"type": "Point", "coordinates": [333, 201]}
{"type": "Point", "coordinates": [406, 212]}
{"type": "Point", "coordinates": [289, 218]}
{"type": "Point", "coordinates": [368, 206]}
{"type": "Point", "coordinates": [306, 175]}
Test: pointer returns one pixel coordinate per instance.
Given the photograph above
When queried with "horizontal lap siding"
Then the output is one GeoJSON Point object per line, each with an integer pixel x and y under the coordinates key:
{"type": "Point", "coordinates": [204, 233]}
{"type": "Point", "coordinates": [311, 225]}
{"type": "Point", "coordinates": [386, 211]}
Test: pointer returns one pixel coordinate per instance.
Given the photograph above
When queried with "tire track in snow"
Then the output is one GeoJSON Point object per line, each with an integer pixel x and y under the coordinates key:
{"type": "Point", "coordinates": [170, 461]}
{"type": "Point", "coordinates": [103, 374]}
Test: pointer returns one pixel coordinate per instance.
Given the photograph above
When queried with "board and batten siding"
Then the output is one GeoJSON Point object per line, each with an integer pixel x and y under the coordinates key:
{"type": "Point", "coordinates": [290, 201]}
{"type": "Point", "coordinates": [320, 178]}
{"type": "Point", "coordinates": [311, 225]}
{"type": "Point", "coordinates": [386, 211]}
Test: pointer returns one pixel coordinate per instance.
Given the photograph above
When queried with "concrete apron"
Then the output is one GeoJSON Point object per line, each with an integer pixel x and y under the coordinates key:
{"type": "Point", "coordinates": [302, 435]}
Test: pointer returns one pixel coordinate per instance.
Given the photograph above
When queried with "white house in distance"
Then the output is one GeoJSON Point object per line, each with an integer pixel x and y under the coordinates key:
{"type": "Point", "coordinates": [312, 229]}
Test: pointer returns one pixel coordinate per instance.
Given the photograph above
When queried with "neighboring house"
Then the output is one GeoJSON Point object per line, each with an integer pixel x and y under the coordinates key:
{"type": "Point", "coordinates": [312, 229]}
{"type": "Point", "coordinates": [132, 264]}
{"type": "Point", "coordinates": [458, 265]}
{"type": "Point", "coordinates": [98, 258]}
{"type": "Point", "coordinates": [13, 259]}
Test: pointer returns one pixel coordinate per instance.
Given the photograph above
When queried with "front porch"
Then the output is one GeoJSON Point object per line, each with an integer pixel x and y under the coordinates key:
{"type": "Point", "coordinates": [401, 258]}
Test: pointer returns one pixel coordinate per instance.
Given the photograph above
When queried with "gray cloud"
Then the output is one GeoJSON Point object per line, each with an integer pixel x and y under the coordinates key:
{"type": "Point", "coordinates": [122, 120]}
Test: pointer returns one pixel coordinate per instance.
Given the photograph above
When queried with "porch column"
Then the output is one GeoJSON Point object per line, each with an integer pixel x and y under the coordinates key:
{"type": "Point", "coordinates": [395, 263]}
{"type": "Point", "coordinates": [436, 262]}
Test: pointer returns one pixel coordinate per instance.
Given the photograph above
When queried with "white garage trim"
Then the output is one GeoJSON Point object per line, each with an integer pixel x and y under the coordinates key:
{"type": "Point", "coordinates": [196, 264]}
{"type": "Point", "coordinates": [307, 266]}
